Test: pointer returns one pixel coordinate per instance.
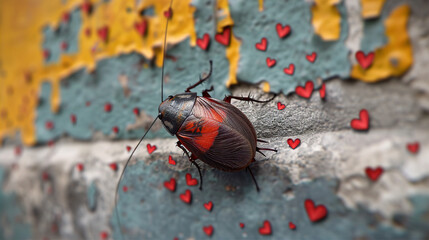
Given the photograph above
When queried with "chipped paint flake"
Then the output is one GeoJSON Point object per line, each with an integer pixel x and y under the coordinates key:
{"type": "Point", "coordinates": [396, 57]}
{"type": "Point", "coordinates": [371, 8]}
{"type": "Point", "coordinates": [326, 19]}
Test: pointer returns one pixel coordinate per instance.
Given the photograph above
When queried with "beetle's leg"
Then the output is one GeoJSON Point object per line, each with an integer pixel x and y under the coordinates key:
{"type": "Point", "coordinates": [260, 140]}
{"type": "Point", "coordinates": [206, 92]}
{"type": "Point", "coordinates": [248, 99]}
{"type": "Point", "coordinates": [192, 159]}
{"type": "Point", "coordinates": [201, 79]}
{"type": "Point", "coordinates": [253, 177]}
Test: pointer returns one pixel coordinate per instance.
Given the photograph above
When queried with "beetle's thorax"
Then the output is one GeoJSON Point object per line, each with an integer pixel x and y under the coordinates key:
{"type": "Point", "coordinates": [175, 109]}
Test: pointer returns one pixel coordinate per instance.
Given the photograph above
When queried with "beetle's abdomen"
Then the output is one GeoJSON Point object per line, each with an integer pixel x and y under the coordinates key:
{"type": "Point", "coordinates": [219, 134]}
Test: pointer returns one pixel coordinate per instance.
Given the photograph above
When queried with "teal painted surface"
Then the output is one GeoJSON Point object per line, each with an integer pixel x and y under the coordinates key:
{"type": "Point", "coordinates": [12, 216]}
{"type": "Point", "coordinates": [92, 194]}
{"type": "Point", "coordinates": [374, 32]}
{"type": "Point", "coordinates": [150, 211]}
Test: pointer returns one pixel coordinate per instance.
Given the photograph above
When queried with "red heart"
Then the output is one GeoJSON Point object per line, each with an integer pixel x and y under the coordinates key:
{"type": "Point", "coordinates": [79, 167]}
{"type": "Point", "coordinates": [46, 54]}
{"type": "Point", "coordinates": [136, 111]}
{"type": "Point", "coordinates": [86, 7]}
{"type": "Point", "coordinates": [168, 13]}
{"type": "Point", "coordinates": [315, 213]}
{"type": "Point", "coordinates": [170, 185]}
{"type": "Point", "coordinates": [224, 37]}
{"type": "Point", "coordinates": [104, 235]}
{"type": "Point", "coordinates": [282, 31]}
{"type": "Point", "coordinates": [311, 58]}
{"type": "Point", "coordinates": [208, 206]}
{"type": "Point", "coordinates": [115, 129]}
{"type": "Point", "coordinates": [203, 43]}
{"type": "Point", "coordinates": [280, 106]}
{"type": "Point", "coordinates": [292, 226]}
{"type": "Point", "coordinates": [103, 33]}
{"type": "Point", "coordinates": [322, 91]}
{"type": "Point", "coordinates": [49, 125]}
{"type": "Point", "coordinates": [73, 119]}
{"type": "Point", "coordinates": [186, 197]}
{"type": "Point", "coordinates": [171, 160]}
{"type": "Point", "coordinates": [64, 46]}
{"type": "Point", "coordinates": [413, 147]}
{"type": "Point", "coordinates": [262, 46]}
{"type": "Point", "coordinates": [128, 148]}
{"type": "Point", "coordinates": [191, 181]}
{"type": "Point", "coordinates": [289, 70]}
{"type": "Point", "coordinates": [208, 230]}
{"type": "Point", "coordinates": [141, 27]}
{"type": "Point", "coordinates": [363, 122]}
{"type": "Point", "coordinates": [150, 148]}
{"type": "Point", "coordinates": [271, 62]}
{"type": "Point", "coordinates": [125, 188]}
{"type": "Point", "coordinates": [107, 107]}
{"type": "Point", "coordinates": [266, 229]}
{"type": "Point", "coordinates": [305, 92]}
{"type": "Point", "coordinates": [373, 174]}
{"type": "Point", "coordinates": [113, 166]}
{"type": "Point", "coordinates": [242, 225]}
{"type": "Point", "coordinates": [364, 60]}
{"type": "Point", "coordinates": [66, 17]}
{"type": "Point", "coordinates": [293, 143]}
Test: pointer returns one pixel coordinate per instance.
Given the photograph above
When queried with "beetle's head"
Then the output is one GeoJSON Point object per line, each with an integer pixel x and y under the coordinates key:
{"type": "Point", "coordinates": [175, 109]}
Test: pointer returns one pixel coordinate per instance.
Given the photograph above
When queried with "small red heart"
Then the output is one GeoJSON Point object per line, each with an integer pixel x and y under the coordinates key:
{"type": "Point", "coordinates": [362, 123]}
{"type": "Point", "coordinates": [141, 27]}
{"type": "Point", "coordinates": [73, 119]}
{"type": "Point", "coordinates": [46, 54]}
{"type": "Point", "coordinates": [168, 13]}
{"type": "Point", "coordinates": [315, 213]}
{"type": "Point", "coordinates": [305, 92]}
{"type": "Point", "coordinates": [107, 107]}
{"type": "Point", "coordinates": [289, 70]}
{"type": "Point", "coordinates": [282, 31]}
{"type": "Point", "coordinates": [191, 181]}
{"type": "Point", "coordinates": [208, 230]}
{"type": "Point", "coordinates": [292, 226]}
{"type": "Point", "coordinates": [293, 143]}
{"type": "Point", "coordinates": [64, 46]}
{"type": "Point", "coordinates": [224, 37]}
{"type": "Point", "coordinates": [136, 111]}
{"type": "Point", "coordinates": [150, 148]}
{"type": "Point", "coordinates": [125, 188]}
{"type": "Point", "coordinates": [373, 174]}
{"type": "Point", "coordinates": [86, 7]}
{"type": "Point", "coordinates": [115, 129]}
{"type": "Point", "coordinates": [266, 229]}
{"type": "Point", "coordinates": [209, 206]}
{"type": "Point", "coordinates": [241, 225]}
{"type": "Point", "coordinates": [113, 166]}
{"type": "Point", "coordinates": [311, 58]}
{"type": "Point", "coordinates": [171, 160]}
{"type": "Point", "coordinates": [103, 33]}
{"type": "Point", "coordinates": [66, 17]}
{"type": "Point", "coordinates": [79, 167]}
{"type": "Point", "coordinates": [170, 185]}
{"type": "Point", "coordinates": [204, 42]}
{"type": "Point", "coordinates": [18, 150]}
{"type": "Point", "coordinates": [413, 147]}
{"type": "Point", "coordinates": [322, 91]}
{"type": "Point", "coordinates": [262, 46]}
{"type": "Point", "coordinates": [270, 62]}
{"type": "Point", "coordinates": [186, 197]}
{"type": "Point", "coordinates": [49, 125]}
{"type": "Point", "coordinates": [128, 148]}
{"type": "Point", "coordinates": [280, 106]}
{"type": "Point", "coordinates": [104, 235]}
{"type": "Point", "coordinates": [364, 60]}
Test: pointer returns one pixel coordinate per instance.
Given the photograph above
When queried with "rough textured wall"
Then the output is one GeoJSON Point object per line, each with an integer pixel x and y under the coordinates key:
{"type": "Point", "coordinates": [80, 82]}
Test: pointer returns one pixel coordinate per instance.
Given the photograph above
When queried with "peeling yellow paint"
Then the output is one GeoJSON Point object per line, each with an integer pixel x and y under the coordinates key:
{"type": "Point", "coordinates": [326, 19]}
{"type": "Point", "coordinates": [223, 16]}
{"type": "Point", "coordinates": [396, 57]}
{"type": "Point", "coordinates": [266, 86]}
{"type": "Point", "coordinates": [371, 8]}
{"type": "Point", "coordinates": [22, 68]}
{"type": "Point", "coordinates": [261, 5]}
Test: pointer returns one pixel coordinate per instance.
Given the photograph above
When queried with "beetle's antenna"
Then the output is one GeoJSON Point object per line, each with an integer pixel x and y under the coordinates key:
{"type": "Point", "coordinates": [122, 173]}
{"type": "Point", "coordinates": [163, 58]}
